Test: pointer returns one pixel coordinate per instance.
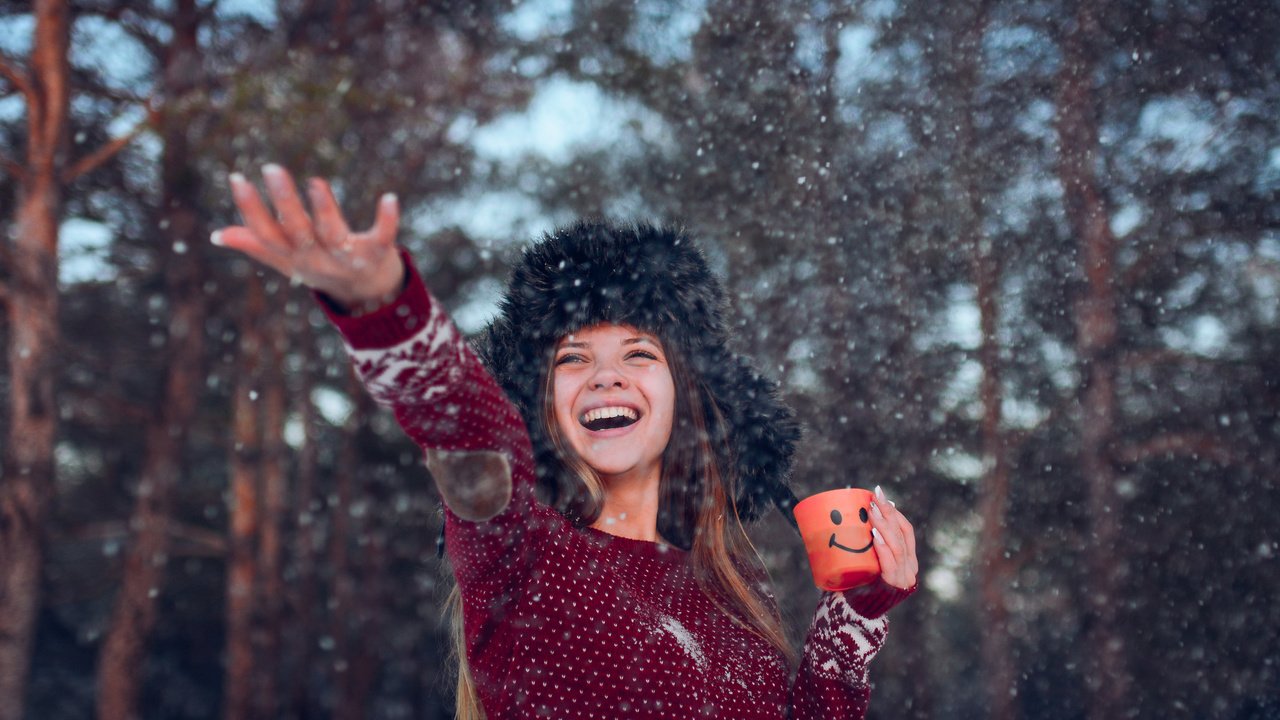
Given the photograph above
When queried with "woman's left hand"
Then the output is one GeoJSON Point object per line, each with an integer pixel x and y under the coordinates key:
{"type": "Point", "coordinates": [895, 543]}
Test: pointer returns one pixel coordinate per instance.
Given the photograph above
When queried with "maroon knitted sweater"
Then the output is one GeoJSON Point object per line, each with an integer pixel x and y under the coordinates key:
{"type": "Point", "coordinates": [563, 622]}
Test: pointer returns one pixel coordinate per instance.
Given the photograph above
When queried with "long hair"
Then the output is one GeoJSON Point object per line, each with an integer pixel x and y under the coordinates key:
{"type": "Point", "coordinates": [698, 479]}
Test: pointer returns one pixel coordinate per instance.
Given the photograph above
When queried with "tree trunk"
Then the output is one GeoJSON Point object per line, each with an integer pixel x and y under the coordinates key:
{"type": "Point", "coordinates": [911, 625]}
{"type": "Point", "coordinates": [302, 588]}
{"type": "Point", "coordinates": [345, 618]}
{"type": "Point", "coordinates": [365, 666]}
{"type": "Point", "coordinates": [1106, 672]}
{"type": "Point", "coordinates": [28, 471]}
{"type": "Point", "coordinates": [241, 558]}
{"type": "Point", "coordinates": [368, 652]}
{"type": "Point", "coordinates": [993, 496]}
{"type": "Point", "coordinates": [270, 546]}
{"type": "Point", "coordinates": [993, 566]}
{"type": "Point", "coordinates": [920, 507]}
{"type": "Point", "coordinates": [122, 656]}
{"type": "Point", "coordinates": [27, 481]}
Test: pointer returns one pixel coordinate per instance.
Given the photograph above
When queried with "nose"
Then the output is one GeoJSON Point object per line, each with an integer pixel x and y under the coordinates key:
{"type": "Point", "coordinates": [607, 376]}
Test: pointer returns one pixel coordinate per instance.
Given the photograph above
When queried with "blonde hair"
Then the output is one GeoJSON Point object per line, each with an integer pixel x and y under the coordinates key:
{"type": "Point", "coordinates": [695, 490]}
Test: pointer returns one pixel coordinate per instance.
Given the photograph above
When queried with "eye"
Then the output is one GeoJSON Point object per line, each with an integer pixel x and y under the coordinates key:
{"type": "Point", "coordinates": [862, 514]}
{"type": "Point", "coordinates": [836, 517]}
{"type": "Point", "coordinates": [644, 354]}
{"type": "Point", "coordinates": [570, 358]}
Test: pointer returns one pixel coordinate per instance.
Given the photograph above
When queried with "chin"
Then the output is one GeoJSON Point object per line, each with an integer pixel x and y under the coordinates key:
{"type": "Point", "coordinates": [611, 467]}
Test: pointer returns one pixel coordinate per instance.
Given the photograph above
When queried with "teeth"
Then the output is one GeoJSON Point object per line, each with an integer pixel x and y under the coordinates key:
{"type": "Point", "coordinates": [609, 412]}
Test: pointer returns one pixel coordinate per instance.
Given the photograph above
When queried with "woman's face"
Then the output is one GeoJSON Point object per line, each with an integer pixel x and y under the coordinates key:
{"type": "Point", "coordinates": [614, 399]}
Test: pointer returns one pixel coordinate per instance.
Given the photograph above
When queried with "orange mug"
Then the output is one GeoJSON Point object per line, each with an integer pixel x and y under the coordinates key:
{"type": "Point", "coordinates": [836, 527]}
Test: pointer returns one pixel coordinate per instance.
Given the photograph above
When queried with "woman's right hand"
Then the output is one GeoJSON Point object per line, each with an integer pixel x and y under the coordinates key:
{"type": "Point", "coordinates": [359, 270]}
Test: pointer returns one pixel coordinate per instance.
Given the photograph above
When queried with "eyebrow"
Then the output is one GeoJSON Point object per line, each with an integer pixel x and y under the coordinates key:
{"type": "Point", "coordinates": [628, 341]}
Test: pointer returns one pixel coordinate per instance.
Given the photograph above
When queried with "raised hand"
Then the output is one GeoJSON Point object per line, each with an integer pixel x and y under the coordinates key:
{"type": "Point", "coordinates": [895, 543]}
{"type": "Point", "coordinates": [359, 270]}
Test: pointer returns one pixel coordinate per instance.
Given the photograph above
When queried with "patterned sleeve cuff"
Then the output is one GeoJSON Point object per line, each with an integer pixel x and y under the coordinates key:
{"type": "Point", "coordinates": [842, 642]}
{"type": "Point", "coordinates": [390, 324]}
{"type": "Point", "coordinates": [877, 598]}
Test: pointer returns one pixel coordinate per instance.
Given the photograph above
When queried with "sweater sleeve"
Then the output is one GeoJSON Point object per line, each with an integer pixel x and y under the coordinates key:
{"type": "Point", "coordinates": [412, 358]}
{"type": "Point", "coordinates": [847, 631]}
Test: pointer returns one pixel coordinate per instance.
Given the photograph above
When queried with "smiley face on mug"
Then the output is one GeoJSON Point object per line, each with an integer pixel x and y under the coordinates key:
{"type": "Point", "coordinates": [858, 531]}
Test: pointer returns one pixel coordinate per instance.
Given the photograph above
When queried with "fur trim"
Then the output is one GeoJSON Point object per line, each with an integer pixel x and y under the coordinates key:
{"type": "Point", "coordinates": [656, 280]}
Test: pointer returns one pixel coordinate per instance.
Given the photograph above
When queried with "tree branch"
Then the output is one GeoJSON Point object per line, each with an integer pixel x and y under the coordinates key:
{"type": "Point", "coordinates": [144, 37]}
{"type": "Point", "coordinates": [92, 84]}
{"type": "Point", "coordinates": [90, 404]}
{"type": "Point", "coordinates": [13, 168]}
{"type": "Point", "coordinates": [200, 541]}
{"type": "Point", "coordinates": [1256, 268]}
{"type": "Point", "coordinates": [1177, 444]}
{"type": "Point", "coordinates": [10, 70]}
{"type": "Point", "coordinates": [1030, 552]}
{"type": "Point", "coordinates": [208, 11]}
{"type": "Point", "coordinates": [6, 255]}
{"type": "Point", "coordinates": [97, 531]}
{"type": "Point", "coordinates": [1015, 438]}
{"type": "Point", "coordinates": [91, 161]}
{"type": "Point", "coordinates": [1154, 357]}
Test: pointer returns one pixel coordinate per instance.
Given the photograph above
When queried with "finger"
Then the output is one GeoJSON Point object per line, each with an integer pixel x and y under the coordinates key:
{"type": "Point", "coordinates": [911, 564]}
{"type": "Point", "coordinates": [386, 222]}
{"type": "Point", "coordinates": [887, 506]}
{"type": "Point", "coordinates": [909, 533]}
{"type": "Point", "coordinates": [284, 195]}
{"type": "Point", "coordinates": [887, 554]}
{"type": "Point", "coordinates": [893, 518]}
{"type": "Point", "coordinates": [331, 228]}
{"type": "Point", "coordinates": [890, 568]}
{"type": "Point", "coordinates": [899, 521]}
{"type": "Point", "coordinates": [255, 213]}
{"type": "Point", "coordinates": [246, 241]}
{"type": "Point", "coordinates": [889, 530]}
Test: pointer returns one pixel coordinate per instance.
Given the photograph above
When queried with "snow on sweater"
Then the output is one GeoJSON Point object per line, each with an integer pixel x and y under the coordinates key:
{"type": "Point", "coordinates": [562, 622]}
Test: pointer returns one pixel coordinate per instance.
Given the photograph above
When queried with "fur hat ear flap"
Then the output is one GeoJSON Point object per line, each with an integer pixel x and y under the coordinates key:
{"type": "Point", "coordinates": [654, 279]}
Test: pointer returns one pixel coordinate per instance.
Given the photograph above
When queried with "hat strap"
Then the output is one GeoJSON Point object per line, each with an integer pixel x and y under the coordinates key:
{"type": "Point", "coordinates": [786, 501]}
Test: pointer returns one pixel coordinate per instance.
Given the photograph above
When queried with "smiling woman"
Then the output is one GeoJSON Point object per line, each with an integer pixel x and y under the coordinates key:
{"type": "Point", "coordinates": [598, 456]}
{"type": "Point", "coordinates": [614, 400]}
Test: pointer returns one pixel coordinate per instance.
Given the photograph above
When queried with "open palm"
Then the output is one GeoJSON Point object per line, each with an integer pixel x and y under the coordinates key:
{"type": "Point", "coordinates": [357, 269]}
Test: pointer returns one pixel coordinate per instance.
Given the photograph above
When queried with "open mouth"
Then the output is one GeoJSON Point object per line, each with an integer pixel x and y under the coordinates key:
{"type": "Point", "coordinates": [608, 418]}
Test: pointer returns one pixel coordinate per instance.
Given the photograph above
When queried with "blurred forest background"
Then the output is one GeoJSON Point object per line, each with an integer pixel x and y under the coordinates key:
{"type": "Point", "coordinates": [1018, 261]}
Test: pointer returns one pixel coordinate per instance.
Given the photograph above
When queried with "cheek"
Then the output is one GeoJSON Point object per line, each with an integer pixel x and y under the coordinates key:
{"type": "Point", "coordinates": [662, 396]}
{"type": "Point", "coordinates": [563, 398]}
{"type": "Point", "coordinates": [661, 390]}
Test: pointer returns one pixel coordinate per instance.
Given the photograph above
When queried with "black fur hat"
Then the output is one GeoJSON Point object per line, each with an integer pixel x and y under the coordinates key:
{"type": "Point", "coordinates": [656, 280]}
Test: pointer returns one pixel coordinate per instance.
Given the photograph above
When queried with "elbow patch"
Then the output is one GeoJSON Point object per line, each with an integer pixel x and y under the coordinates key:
{"type": "Point", "coordinates": [475, 484]}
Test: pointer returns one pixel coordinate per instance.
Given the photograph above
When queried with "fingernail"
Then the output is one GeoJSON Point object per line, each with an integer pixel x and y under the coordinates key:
{"type": "Point", "coordinates": [276, 177]}
{"type": "Point", "coordinates": [236, 178]}
{"type": "Point", "coordinates": [390, 199]}
{"type": "Point", "coordinates": [880, 494]}
{"type": "Point", "coordinates": [875, 510]}
{"type": "Point", "coordinates": [216, 238]}
{"type": "Point", "coordinates": [876, 534]}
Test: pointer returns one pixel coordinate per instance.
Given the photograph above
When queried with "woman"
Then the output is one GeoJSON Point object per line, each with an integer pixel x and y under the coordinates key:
{"type": "Point", "coordinates": [596, 470]}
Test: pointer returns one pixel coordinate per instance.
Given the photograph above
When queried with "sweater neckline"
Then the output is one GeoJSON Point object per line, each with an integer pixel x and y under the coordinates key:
{"type": "Point", "coordinates": [656, 550]}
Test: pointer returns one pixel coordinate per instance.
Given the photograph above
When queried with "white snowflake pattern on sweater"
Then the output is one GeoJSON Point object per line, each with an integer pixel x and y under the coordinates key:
{"type": "Point", "coordinates": [841, 643]}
